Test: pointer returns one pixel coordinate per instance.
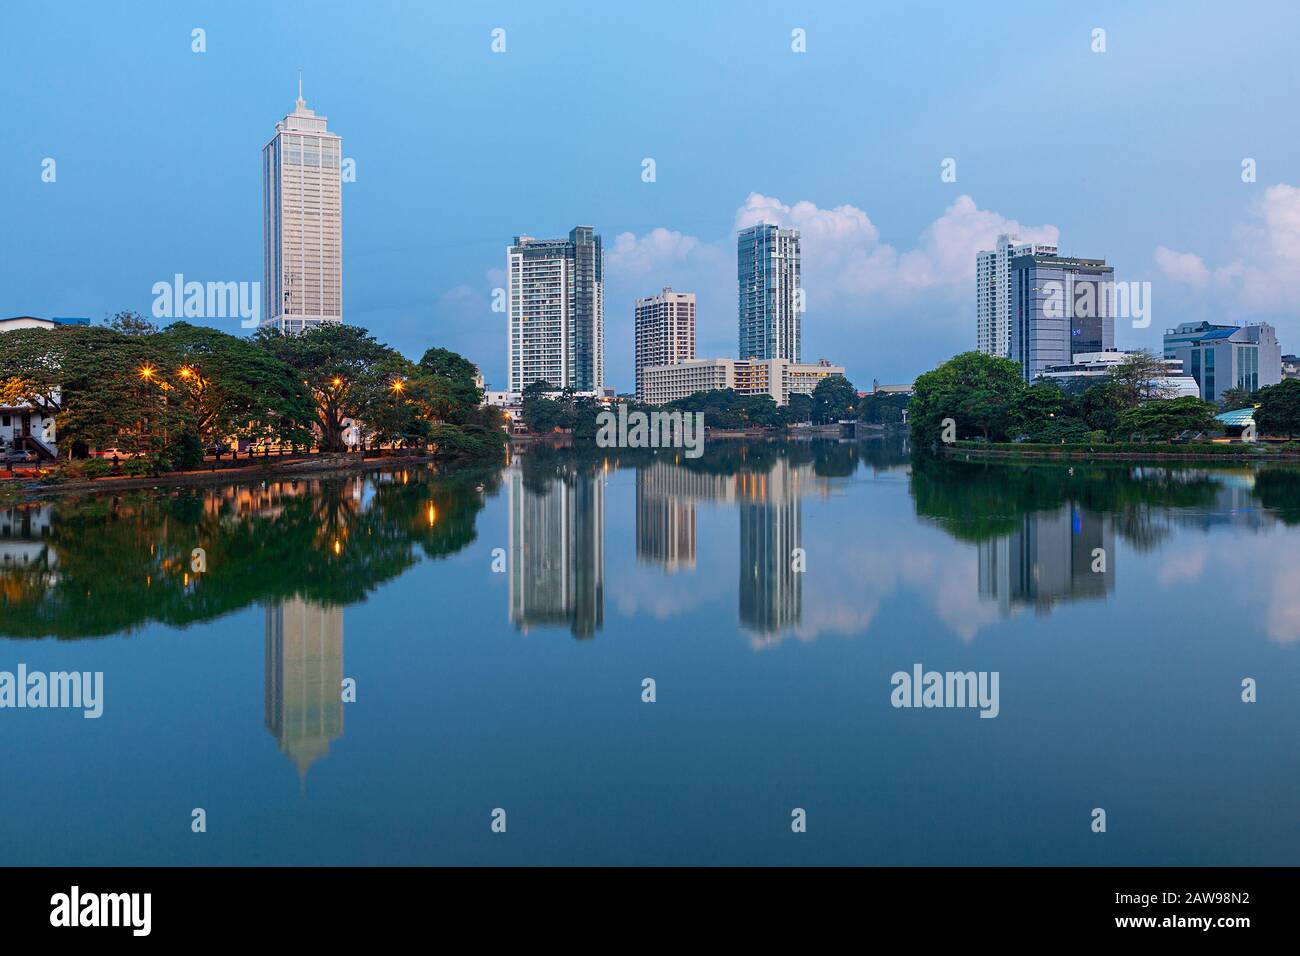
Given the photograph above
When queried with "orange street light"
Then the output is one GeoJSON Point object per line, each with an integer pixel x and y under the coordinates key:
{"type": "Point", "coordinates": [398, 385]}
{"type": "Point", "coordinates": [146, 372]}
{"type": "Point", "coordinates": [186, 372]}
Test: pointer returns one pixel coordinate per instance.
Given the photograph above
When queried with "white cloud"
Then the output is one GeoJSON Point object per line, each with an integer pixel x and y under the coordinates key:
{"type": "Point", "coordinates": [1182, 266]}
{"type": "Point", "coordinates": [843, 254]}
{"type": "Point", "coordinates": [658, 249]}
{"type": "Point", "coordinates": [1266, 275]}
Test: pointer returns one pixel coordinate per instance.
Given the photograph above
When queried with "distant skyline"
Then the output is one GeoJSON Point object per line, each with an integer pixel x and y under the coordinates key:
{"type": "Point", "coordinates": [1134, 154]}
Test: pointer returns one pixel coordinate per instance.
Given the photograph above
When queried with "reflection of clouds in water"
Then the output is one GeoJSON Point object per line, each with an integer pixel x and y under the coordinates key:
{"type": "Point", "coordinates": [1185, 564]}
{"type": "Point", "coordinates": [647, 590]}
{"type": "Point", "coordinates": [1259, 574]}
{"type": "Point", "coordinates": [1269, 575]}
{"type": "Point", "coordinates": [843, 595]}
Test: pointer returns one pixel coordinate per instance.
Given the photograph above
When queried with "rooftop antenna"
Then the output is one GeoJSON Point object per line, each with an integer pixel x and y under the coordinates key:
{"type": "Point", "coordinates": [301, 102]}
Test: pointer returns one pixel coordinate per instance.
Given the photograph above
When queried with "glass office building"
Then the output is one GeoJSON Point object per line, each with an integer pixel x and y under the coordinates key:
{"type": "Point", "coordinates": [1220, 357]}
{"type": "Point", "coordinates": [1062, 307]}
{"type": "Point", "coordinates": [770, 300]}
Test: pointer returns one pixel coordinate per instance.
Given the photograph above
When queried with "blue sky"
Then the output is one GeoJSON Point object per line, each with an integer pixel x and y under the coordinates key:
{"type": "Point", "coordinates": [1133, 155]}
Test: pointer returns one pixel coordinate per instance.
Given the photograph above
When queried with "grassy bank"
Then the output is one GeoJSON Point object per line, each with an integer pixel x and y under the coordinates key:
{"type": "Point", "coordinates": [306, 467]}
{"type": "Point", "coordinates": [1203, 451]}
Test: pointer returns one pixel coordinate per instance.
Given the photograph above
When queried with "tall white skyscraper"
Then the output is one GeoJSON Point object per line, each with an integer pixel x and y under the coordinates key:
{"type": "Point", "coordinates": [770, 300]}
{"type": "Point", "coordinates": [302, 199]}
{"type": "Point", "coordinates": [665, 332]}
{"type": "Point", "coordinates": [993, 305]}
{"type": "Point", "coordinates": [557, 311]}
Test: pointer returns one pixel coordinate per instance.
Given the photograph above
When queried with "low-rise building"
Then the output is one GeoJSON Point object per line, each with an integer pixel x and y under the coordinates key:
{"type": "Point", "coordinates": [779, 378]}
{"type": "Point", "coordinates": [1220, 357]}
{"type": "Point", "coordinates": [23, 427]}
{"type": "Point", "coordinates": [1088, 367]}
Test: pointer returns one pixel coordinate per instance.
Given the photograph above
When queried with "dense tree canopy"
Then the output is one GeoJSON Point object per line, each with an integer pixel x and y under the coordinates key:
{"type": "Point", "coordinates": [169, 393]}
{"type": "Point", "coordinates": [833, 399]}
{"type": "Point", "coordinates": [978, 392]}
{"type": "Point", "coordinates": [1279, 409]}
{"type": "Point", "coordinates": [1167, 418]}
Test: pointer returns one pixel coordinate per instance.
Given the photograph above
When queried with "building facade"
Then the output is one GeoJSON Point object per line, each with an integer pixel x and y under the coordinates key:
{"type": "Point", "coordinates": [302, 232]}
{"type": "Point", "coordinates": [302, 702]}
{"type": "Point", "coordinates": [557, 549]}
{"type": "Point", "coordinates": [23, 426]}
{"type": "Point", "coordinates": [555, 304]}
{"type": "Point", "coordinates": [1088, 367]}
{"type": "Point", "coordinates": [770, 300]}
{"type": "Point", "coordinates": [665, 332]}
{"type": "Point", "coordinates": [1220, 357]}
{"type": "Point", "coordinates": [993, 292]}
{"type": "Point", "coordinates": [776, 377]}
{"type": "Point", "coordinates": [1061, 307]}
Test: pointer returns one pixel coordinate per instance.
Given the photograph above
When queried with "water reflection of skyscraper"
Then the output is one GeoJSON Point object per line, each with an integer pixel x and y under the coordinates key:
{"type": "Point", "coordinates": [1050, 559]}
{"type": "Point", "coordinates": [557, 550]}
{"type": "Point", "coordinates": [304, 679]}
{"type": "Point", "coordinates": [666, 499]}
{"type": "Point", "coordinates": [771, 528]}
{"type": "Point", "coordinates": [770, 522]}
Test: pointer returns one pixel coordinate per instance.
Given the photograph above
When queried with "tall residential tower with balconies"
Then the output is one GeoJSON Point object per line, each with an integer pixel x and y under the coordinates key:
{"type": "Point", "coordinates": [555, 303]}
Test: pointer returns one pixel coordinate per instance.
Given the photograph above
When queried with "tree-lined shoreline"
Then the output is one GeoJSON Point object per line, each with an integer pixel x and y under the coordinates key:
{"type": "Point", "coordinates": [167, 396]}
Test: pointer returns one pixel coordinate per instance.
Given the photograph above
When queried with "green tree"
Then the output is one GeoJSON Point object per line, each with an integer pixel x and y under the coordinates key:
{"type": "Point", "coordinates": [1279, 409]}
{"type": "Point", "coordinates": [457, 382]}
{"type": "Point", "coordinates": [1237, 398]}
{"type": "Point", "coordinates": [833, 399]}
{"type": "Point", "coordinates": [345, 369]}
{"type": "Point", "coordinates": [978, 392]}
{"type": "Point", "coordinates": [130, 323]}
{"type": "Point", "coordinates": [1141, 378]}
{"type": "Point", "coordinates": [104, 387]}
{"type": "Point", "coordinates": [1101, 404]}
{"type": "Point", "coordinates": [234, 388]}
{"type": "Point", "coordinates": [1166, 418]}
{"type": "Point", "coordinates": [1038, 410]}
{"type": "Point", "coordinates": [798, 409]}
{"type": "Point", "coordinates": [883, 408]}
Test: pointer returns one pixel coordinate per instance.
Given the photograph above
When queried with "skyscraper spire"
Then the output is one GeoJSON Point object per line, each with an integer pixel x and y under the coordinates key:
{"type": "Point", "coordinates": [301, 102]}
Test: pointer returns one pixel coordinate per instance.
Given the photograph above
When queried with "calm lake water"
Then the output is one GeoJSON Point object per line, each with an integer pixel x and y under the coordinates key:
{"type": "Point", "coordinates": [499, 623]}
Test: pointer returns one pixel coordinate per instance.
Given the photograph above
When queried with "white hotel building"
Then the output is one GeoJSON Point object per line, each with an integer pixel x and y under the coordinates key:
{"type": "Point", "coordinates": [993, 303]}
{"type": "Point", "coordinates": [303, 223]}
{"type": "Point", "coordinates": [779, 378]}
{"type": "Point", "coordinates": [665, 332]}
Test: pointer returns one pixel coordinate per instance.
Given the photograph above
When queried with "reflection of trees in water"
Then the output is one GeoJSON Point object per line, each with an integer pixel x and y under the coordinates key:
{"type": "Point", "coordinates": [1278, 489]}
{"type": "Point", "coordinates": [123, 561]}
{"type": "Point", "coordinates": [1142, 529]}
{"type": "Point", "coordinates": [978, 500]}
{"type": "Point", "coordinates": [542, 462]}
